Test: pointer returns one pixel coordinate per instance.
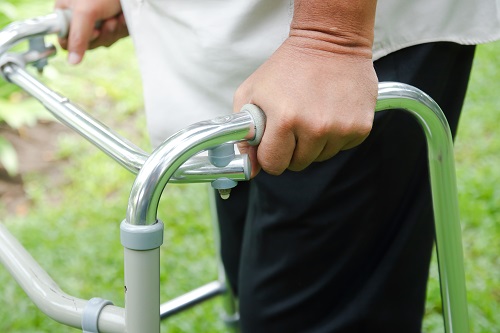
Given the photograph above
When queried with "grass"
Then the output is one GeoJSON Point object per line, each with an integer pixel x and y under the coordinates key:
{"type": "Point", "coordinates": [73, 231]}
{"type": "Point", "coordinates": [477, 158]}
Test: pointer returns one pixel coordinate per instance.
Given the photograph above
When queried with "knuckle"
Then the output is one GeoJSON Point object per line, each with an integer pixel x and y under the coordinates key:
{"type": "Point", "coordinates": [287, 121]}
{"type": "Point", "coordinates": [78, 41]}
{"type": "Point", "coordinates": [285, 126]}
{"type": "Point", "coordinates": [356, 128]}
{"type": "Point", "coordinates": [271, 166]}
{"type": "Point", "coordinates": [321, 129]}
{"type": "Point", "coordinates": [272, 169]}
{"type": "Point", "coordinates": [365, 127]}
{"type": "Point", "coordinates": [86, 11]}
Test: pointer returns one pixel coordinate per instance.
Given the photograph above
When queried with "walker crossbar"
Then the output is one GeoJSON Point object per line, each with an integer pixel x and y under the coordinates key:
{"type": "Point", "coordinates": [176, 160]}
{"type": "Point", "coordinates": [198, 169]}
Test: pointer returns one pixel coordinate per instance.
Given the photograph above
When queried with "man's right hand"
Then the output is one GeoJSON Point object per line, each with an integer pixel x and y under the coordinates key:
{"type": "Point", "coordinates": [94, 23]}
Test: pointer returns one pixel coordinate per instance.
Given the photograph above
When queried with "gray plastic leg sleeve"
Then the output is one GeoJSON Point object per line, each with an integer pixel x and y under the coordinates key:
{"type": "Point", "coordinates": [91, 313]}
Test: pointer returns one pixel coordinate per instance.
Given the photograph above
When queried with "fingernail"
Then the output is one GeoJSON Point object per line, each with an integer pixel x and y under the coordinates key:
{"type": "Point", "coordinates": [74, 58]}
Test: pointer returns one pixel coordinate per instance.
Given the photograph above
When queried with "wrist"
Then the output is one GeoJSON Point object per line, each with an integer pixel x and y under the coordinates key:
{"type": "Point", "coordinates": [334, 26]}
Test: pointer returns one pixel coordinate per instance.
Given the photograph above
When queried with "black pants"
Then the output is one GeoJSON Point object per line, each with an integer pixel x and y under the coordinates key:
{"type": "Point", "coordinates": [345, 245]}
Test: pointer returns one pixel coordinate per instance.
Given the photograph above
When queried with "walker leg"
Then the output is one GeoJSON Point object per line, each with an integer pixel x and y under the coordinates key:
{"type": "Point", "coordinates": [142, 276]}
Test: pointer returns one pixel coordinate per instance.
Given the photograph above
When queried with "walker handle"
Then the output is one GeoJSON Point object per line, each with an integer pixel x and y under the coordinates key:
{"type": "Point", "coordinates": [54, 23]}
{"type": "Point", "coordinates": [259, 119]}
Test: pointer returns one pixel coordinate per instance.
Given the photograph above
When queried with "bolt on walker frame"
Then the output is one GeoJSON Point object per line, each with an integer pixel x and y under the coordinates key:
{"type": "Point", "coordinates": [174, 161]}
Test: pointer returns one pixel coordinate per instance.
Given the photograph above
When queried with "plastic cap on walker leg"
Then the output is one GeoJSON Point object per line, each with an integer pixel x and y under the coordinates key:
{"type": "Point", "coordinates": [224, 186]}
{"type": "Point", "coordinates": [225, 193]}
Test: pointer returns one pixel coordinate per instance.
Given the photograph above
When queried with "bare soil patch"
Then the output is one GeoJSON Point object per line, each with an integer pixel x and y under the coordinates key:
{"type": "Point", "coordinates": [36, 148]}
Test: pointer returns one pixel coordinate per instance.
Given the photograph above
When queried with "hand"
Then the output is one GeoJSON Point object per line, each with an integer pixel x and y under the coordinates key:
{"type": "Point", "coordinates": [318, 101]}
{"type": "Point", "coordinates": [84, 33]}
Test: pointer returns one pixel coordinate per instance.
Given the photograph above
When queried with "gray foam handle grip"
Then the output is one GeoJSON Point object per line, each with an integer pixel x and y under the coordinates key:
{"type": "Point", "coordinates": [259, 120]}
{"type": "Point", "coordinates": [64, 16]}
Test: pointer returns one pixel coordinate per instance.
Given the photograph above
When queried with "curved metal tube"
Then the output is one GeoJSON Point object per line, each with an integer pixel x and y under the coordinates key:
{"type": "Point", "coordinates": [123, 151]}
{"type": "Point", "coordinates": [161, 165]}
{"type": "Point", "coordinates": [196, 170]}
{"type": "Point", "coordinates": [192, 298]}
{"type": "Point", "coordinates": [199, 169]}
{"type": "Point", "coordinates": [38, 26]}
{"type": "Point", "coordinates": [46, 294]}
{"type": "Point", "coordinates": [171, 154]}
{"type": "Point", "coordinates": [444, 196]}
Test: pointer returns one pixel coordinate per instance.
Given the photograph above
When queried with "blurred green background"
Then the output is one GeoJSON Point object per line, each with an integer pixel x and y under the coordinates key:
{"type": "Point", "coordinates": [72, 229]}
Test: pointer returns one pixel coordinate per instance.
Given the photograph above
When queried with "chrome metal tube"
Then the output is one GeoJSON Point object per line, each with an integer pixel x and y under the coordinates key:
{"type": "Point", "coordinates": [191, 298]}
{"type": "Point", "coordinates": [124, 152]}
{"type": "Point", "coordinates": [196, 170]}
{"type": "Point", "coordinates": [142, 290]}
{"type": "Point", "coordinates": [46, 294]}
{"type": "Point", "coordinates": [38, 26]}
{"type": "Point", "coordinates": [162, 164]}
{"type": "Point", "coordinates": [199, 169]}
{"type": "Point", "coordinates": [444, 196]}
{"type": "Point", "coordinates": [169, 156]}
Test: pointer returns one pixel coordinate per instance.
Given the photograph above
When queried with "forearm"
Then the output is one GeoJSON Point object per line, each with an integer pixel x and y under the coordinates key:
{"type": "Point", "coordinates": [337, 26]}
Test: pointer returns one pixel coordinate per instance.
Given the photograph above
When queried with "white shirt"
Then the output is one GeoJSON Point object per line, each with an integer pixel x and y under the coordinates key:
{"type": "Point", "coordinates": [194, 54]}
{"type": "Point", "coordinates": [403, 23]}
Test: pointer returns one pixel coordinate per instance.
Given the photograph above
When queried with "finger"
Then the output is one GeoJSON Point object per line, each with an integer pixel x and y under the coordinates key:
{"type": "Point", "coordinates": [107, 32]}
{"type": "Point", "coordinates": [336, 144]}
{"type": "Point", "coordinates": [330, 149]}
{"type": "Point", "coordinates": [111, 30]}
{"type": "Point", "coordinates": [62, 4]}
{"type": "Point", "coordinates": [80, 34]}
{"type": "Point", "coordinates": [307, 150]}
{"type": "Point", "coordinates": [276, 148]}
{"type": "Point", "coordinates": [353, 143]}
{"type": "Point", "coordinates": [251, 151]}
{"type": "Point", "coordinates": [109, 26]}
{"type": "Point", "coordinates": [63, 42]}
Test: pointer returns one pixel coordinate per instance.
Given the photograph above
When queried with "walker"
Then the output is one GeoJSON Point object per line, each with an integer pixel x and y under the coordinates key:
{"type": "Point", "coordinates": [174, 161]}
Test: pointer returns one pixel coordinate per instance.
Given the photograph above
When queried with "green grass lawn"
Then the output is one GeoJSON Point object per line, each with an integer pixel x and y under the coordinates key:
{"type": "Point", "coordinates": [73, 230]}
{"type": "Point", "coordinates": [477, 152]}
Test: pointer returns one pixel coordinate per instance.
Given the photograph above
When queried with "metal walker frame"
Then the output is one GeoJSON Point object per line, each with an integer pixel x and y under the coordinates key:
{"type": "Point", "coordinates": [174, 161]}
